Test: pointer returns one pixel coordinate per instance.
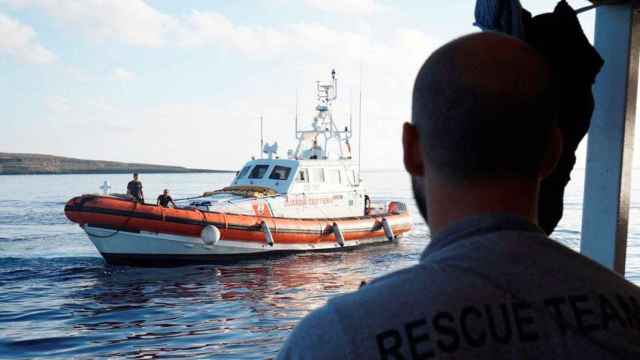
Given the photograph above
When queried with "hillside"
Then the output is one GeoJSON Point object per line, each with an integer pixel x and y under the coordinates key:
{"type": "Point", "coordinates": [17, 164]}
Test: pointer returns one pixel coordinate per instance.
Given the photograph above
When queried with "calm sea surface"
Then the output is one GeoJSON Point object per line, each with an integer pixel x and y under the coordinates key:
{"type": "Point", "coordinates": [59, 299]}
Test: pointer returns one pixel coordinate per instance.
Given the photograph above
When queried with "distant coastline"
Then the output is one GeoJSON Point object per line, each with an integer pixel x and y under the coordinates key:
{"type": "Point", "coordinates": [40, 164]}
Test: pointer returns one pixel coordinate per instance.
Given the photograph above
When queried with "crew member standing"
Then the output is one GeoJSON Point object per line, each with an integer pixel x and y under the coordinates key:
{"type": "Point", "coordinates": [164, 199]}
{"type": "Point", "coordinates": [134, 189]}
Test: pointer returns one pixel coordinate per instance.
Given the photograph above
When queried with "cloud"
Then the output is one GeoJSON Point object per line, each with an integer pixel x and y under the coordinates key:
{"type": "Point", "coordinates": [347, 7]}
{"type": "Point", "coordinates": [57, 104]}
{"type": "Point", "coordinates": [20, 41]}
{"type": "Point", "coordinates": [205, 28]}
{"type": "Point", "coordinates": [121, 74]}
{"type": "Point", "coordinates": [131, 21]}
{"type": "Point", "coordinates": [300, 53]}
{"type": "Point", "coordinates": [136, 23]}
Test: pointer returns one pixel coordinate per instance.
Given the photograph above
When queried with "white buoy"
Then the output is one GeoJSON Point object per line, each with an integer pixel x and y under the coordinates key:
{"type": "Point", "coordinates": [106, 187]}
{"type": "Point", "coordinates": [338, 233]}
{"type": "Point", "coordinates": [267, 233]}
{"type": "Point", "coordinates": [388, 232]}
{"type": "Point", "coordinates": [210, 235]}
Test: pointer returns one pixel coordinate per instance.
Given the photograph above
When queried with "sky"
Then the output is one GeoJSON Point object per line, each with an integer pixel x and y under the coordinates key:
{"type": "Point", "coordinates": [185, 82]}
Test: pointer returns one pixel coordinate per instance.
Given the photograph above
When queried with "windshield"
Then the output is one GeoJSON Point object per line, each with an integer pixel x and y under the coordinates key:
{"type": "Point", "coordinates": [243, 172]}
{"type": "Point", "coordinates": [258, 172]}
{"type": "Point", "coordinates": [280, 173]}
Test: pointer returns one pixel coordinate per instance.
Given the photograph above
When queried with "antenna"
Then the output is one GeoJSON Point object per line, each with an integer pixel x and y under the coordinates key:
{"type": "Point", "coordinates": [323, 127]}
{"type": "Point", "coordinates": [335, 84]}
{"type": "Point", "coordinates": [261, 138]}
{"type": "Point", "coordinates": [350, 111]}
{"type": "Point", "coordinates": [360, 126]}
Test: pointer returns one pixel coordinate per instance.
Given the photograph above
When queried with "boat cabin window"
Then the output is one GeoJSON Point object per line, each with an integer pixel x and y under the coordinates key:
{"type": "Point", "coordinates": [333, 176]}
{"type": "Point", "coordinates": [316, 175]}
{"type": "Point", "coordinates": [243, 172]}
{"type": "Point", "coordinates": [258, 171]}
{"type": "Point", "coordinates": [280, 173]}
{"type": "Point", "coordinates": [303, 176]}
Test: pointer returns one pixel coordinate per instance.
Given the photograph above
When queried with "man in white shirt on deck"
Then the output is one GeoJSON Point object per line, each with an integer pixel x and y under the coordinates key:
{"type": "Point", "coordinates": [490, 284]}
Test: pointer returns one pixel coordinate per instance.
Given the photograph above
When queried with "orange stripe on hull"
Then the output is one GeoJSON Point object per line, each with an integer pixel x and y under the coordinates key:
{"type": "Point", "coordinates": [129, 216]}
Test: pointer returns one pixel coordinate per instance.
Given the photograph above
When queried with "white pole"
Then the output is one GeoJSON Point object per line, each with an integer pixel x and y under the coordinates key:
{"type": "Point", "coordinates": [350, 110]}
{"type": "Point", "coordinates": [605, 213]}
{"type": "Point", "coordinates": [360, 126]}
{"type": "Point", "coordinates": [261, 139]}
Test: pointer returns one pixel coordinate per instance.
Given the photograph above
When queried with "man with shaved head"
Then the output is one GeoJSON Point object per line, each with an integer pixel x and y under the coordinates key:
{"type": "Point", "coordinates": [490, 284]}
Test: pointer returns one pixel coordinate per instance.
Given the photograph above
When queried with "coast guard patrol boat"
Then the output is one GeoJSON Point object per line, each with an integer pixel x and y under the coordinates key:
{"type": "Point", "coordinates": [313, 200]}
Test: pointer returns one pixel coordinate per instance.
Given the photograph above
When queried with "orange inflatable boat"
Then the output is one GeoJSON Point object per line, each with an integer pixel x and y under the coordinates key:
{"type": "Point", "coordinates": [125, 231]}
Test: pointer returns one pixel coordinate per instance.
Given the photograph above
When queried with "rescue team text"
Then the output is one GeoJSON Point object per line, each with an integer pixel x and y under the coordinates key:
{"type": "Point", "coordinates": [475, 326]}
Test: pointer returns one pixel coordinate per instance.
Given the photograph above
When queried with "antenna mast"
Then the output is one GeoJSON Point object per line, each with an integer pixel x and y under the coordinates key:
{"type": "Point", "coordinates": [360, 126]}
{"type": "Point", "coordinates": [351, 110]}
{"type": "Point", "coordinates": [324, 129]}
{"type": "Point", "coordinates": [261, 139]}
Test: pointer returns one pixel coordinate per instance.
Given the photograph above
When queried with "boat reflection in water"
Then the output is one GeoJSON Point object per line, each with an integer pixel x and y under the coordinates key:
{"type": "Point", "coordinates": [206, 310]}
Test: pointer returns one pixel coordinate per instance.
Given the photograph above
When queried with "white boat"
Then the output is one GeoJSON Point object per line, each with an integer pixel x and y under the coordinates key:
{"type": "Point", "coordinates": [314, 200]}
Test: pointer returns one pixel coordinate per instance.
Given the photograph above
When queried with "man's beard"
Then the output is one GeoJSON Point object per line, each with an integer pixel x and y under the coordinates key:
{"type": "Point", "coordinates": [417, 183]}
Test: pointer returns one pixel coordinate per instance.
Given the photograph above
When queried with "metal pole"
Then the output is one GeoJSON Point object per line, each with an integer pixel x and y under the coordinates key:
{"type": "Point", "coordinates": [261, 139]}
{"type": "Point", "coordinates": [610, 148]}
{"type": "Point", "coordinates": [350, 115]}
{"type": "Point", "coordinates": [360, 127]}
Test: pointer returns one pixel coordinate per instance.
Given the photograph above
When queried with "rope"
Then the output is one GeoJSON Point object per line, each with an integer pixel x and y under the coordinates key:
{"type": "Point", "coordinates": [204, 217]}
{"type": "Point", "coordinates": [188, 198]}
{"type": "Point", "coordinates": [126, 222]}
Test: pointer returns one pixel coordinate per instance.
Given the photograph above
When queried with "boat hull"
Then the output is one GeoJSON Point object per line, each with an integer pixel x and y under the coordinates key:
{"type": "Point", "coordinates": [165, 250]}
{"type": "Point", "coordinates": [127, 232]}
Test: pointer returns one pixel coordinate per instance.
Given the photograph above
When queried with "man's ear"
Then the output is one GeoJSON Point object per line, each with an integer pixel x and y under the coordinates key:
{"type": "Point", "coordinates": [553, 153]}
{"type": "Point", "coordinates": [413, 158]}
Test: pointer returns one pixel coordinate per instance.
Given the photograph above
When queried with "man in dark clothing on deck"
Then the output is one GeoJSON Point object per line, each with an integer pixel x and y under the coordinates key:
{"type": "Point", "coordinates": [490, 284]}
{"type": "Point", "coordinates": [134, 189]}
{"type": "Point", "coordinates": [164, 199]}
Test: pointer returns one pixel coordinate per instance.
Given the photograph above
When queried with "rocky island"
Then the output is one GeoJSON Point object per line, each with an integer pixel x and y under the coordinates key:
{"type": "Point", "coordinates": [26, 164]}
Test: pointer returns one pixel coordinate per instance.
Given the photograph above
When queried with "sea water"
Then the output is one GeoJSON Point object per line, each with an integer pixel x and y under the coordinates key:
{"type": "Point", "coordinates": [59, 299]}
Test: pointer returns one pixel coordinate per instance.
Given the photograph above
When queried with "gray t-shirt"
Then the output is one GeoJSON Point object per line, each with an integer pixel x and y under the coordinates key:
{"type": "Point", "coordinates": [492, 287]}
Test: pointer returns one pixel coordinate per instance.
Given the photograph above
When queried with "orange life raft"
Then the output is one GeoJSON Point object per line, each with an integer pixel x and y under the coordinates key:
{"type": "Point", "coordinates": [126, 215]}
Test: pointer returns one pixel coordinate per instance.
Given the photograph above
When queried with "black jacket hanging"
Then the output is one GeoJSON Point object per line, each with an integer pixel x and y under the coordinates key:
{"type": "Point", "coordinates": [574, 63]}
